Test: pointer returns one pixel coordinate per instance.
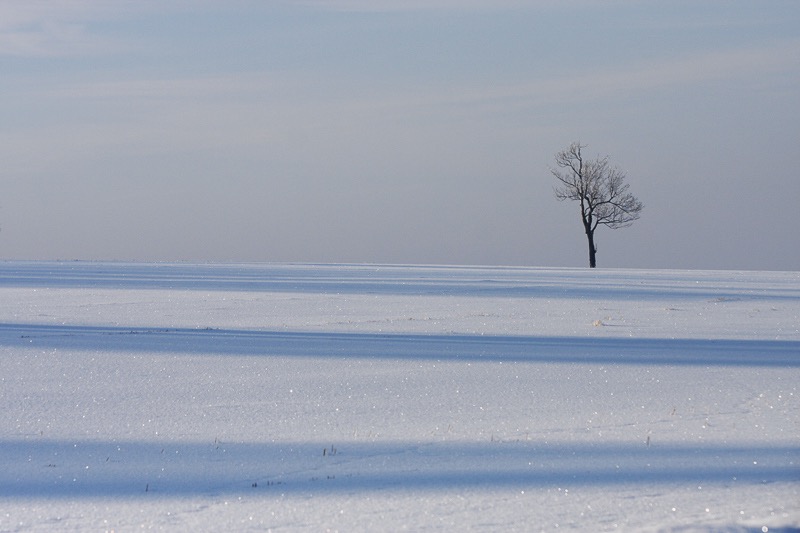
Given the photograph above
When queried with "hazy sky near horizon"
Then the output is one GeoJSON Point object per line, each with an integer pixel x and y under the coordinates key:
{"type": "Point", "coordinates": [405, 131]}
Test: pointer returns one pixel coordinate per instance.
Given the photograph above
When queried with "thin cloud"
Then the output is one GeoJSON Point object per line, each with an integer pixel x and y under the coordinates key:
{"type": "Point", "coordinates": [52, 29]}
{"type": "Point", "coordinates": [38, 28]}
{"type": "Point", "coordinates": [380, 6]}
{"type": "Point", "coordinates": [292, 92]}
{"type": "Point", "coordinates": [702, 68]}
{"type": "Point", "coordinates": [46, 39]}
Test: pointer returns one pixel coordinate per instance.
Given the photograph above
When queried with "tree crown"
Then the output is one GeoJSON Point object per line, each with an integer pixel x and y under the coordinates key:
{"type": "Point", "coordinates": [598, 186]}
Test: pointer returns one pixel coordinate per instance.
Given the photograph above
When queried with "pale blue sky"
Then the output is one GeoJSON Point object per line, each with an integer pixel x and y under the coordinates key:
{"type": "Point", "coordinates": [403, 131]}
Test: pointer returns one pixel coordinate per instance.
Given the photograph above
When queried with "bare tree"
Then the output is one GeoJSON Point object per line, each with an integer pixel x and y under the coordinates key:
{"type": "Point", "coordinates": [601, 190]}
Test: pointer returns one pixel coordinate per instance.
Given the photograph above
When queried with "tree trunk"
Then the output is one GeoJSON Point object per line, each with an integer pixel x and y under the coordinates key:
{"type": "Point", "coordinates": [592, 249]}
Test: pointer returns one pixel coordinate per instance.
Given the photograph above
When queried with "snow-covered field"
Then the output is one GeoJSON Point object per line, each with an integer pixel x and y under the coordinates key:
{"type": "Point", "coordinates": [386, 398]}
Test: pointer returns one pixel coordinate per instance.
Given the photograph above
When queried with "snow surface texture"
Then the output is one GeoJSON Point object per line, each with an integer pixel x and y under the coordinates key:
{"type": "Point", "coordinates": [387, 398]}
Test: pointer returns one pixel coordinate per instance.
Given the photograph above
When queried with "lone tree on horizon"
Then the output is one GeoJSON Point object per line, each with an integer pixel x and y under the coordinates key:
{"type": "Point", "coordinates": [601, 190]}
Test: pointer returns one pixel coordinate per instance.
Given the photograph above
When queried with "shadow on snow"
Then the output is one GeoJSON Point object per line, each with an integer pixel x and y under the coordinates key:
{"type": "Point", "coordinates": [471, 281]}
{"type": "Point", "coordinates": [455, 347]}
{"type": "Point", "coordinates": [36, 467]}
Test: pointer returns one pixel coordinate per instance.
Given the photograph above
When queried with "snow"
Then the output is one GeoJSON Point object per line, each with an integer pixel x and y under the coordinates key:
{"type": "Point", "coordinates": [387, 398]}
